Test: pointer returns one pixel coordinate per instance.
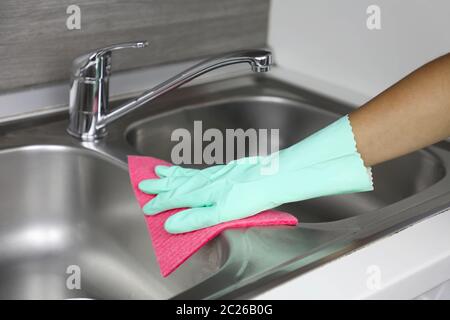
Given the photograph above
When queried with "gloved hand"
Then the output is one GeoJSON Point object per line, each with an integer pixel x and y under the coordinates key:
{"type": "Point", "coordinates": [325, 163]}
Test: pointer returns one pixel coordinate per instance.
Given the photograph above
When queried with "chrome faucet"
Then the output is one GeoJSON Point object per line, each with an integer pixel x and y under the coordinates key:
{"type": "Point", "coordinates": [89, 91]}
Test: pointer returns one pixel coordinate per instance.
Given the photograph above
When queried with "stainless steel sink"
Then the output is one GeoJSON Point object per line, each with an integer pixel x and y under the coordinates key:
{"type": "Point", "coordinates": [66, 202]}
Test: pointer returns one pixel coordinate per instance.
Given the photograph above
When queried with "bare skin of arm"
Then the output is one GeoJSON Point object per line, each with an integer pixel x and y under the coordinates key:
{"type": "Point", "coordinates": [412, 114]}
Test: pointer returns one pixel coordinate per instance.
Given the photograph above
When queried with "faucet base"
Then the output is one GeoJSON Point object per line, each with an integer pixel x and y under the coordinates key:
{"type": "Point", "coordinates": [99, 134]}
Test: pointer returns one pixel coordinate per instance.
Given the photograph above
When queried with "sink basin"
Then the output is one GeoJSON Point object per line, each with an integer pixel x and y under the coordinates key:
{"type": "Point", "coordinates": [62, 207]}
{"type": "Point", "coordinates": [295, 119]}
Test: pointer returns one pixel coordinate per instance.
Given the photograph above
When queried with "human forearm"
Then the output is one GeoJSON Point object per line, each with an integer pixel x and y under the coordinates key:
{"type": "Point", "coordinates": [413, 113]}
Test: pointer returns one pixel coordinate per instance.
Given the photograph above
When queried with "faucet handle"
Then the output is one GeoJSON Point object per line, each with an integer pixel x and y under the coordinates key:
{"type": "Point", "coordinates": [97, 63]}
{"type": "Point", "coordinates": [126, 45]}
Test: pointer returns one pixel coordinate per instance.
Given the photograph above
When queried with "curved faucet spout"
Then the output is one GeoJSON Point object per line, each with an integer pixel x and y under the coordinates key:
{"type": "Point", "coordinates": [89, 110]}
{"type": "Point", "coordinates": [259, 61]}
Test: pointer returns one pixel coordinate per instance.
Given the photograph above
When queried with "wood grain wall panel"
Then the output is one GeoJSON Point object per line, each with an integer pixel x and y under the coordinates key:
{"type": "Point", "coordinates": [36, 47]}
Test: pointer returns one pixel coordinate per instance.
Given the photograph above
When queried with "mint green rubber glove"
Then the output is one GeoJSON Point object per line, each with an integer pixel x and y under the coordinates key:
{"type": "Point", "coordinates": [325, 163]}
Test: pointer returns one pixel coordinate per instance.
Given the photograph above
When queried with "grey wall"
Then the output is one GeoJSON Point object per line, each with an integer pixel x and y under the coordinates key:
{"type": "Point", "coordinates": [36, 47]}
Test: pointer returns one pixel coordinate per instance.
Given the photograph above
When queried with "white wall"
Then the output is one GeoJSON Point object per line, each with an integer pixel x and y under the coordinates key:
{"type": "Point", "coordinates": [329, 40]}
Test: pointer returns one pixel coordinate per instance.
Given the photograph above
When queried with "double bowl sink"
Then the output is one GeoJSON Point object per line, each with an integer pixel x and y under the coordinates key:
{"type": "Point", "coordinates": [70, 226]}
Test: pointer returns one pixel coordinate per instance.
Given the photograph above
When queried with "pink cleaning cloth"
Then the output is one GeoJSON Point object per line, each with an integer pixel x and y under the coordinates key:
{"type": "Point", "coordinates": [172, 250]}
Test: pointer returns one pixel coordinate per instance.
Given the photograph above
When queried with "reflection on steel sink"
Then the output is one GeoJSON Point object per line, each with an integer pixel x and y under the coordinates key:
{"type": "Point", "coordinates": [64, 207]}
{"type": "Point", "coordinates": [69, 203]}
{"type": "Point", "coordinates": [394, 180]}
